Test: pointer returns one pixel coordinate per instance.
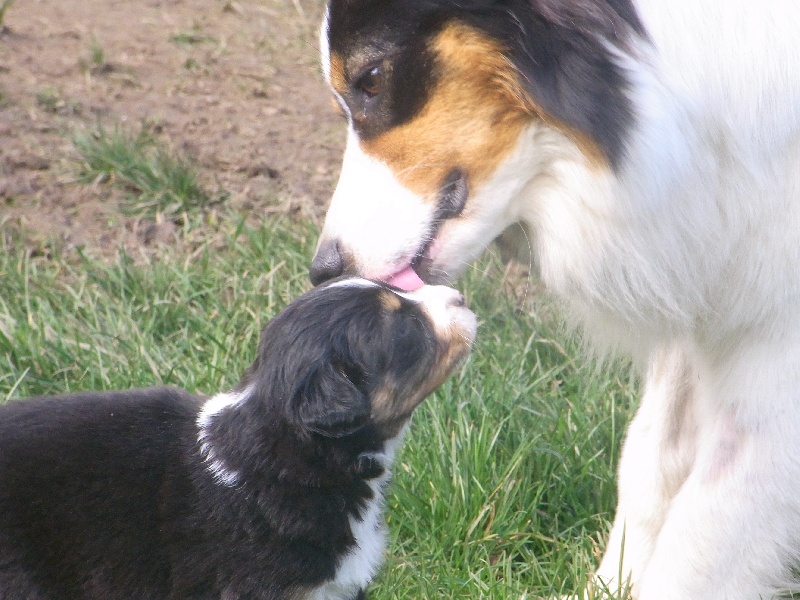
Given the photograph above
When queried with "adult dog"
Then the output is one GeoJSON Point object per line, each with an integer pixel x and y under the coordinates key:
{"type": "Point", "coordinates": [272, 491]}
{"type": "Point", "coordinates": [650, 150]}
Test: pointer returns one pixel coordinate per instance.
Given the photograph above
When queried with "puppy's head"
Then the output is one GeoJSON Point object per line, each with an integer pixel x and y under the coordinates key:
{"type": "Point", "coordinates": [354, 353]}
{"type": "Point", "coordinates": [439, 96]}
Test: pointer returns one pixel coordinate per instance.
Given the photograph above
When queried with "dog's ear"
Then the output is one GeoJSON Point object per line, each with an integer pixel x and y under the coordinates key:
{"type": "Point", "coordinates": [567, 68]}
{"type": "Point", "coordinates": [328, 403]}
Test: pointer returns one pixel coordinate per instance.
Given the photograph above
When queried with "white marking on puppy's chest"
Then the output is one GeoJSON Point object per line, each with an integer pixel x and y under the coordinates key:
{"type": "Point", "coordinates": [358, 568]}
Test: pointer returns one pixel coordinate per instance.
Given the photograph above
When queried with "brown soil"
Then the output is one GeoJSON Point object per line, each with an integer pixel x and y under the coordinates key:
{"type": "Point", "coordinates": [232, 85]}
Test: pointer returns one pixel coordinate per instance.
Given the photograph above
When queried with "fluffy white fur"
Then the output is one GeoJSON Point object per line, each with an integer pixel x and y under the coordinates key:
{"type": "Point", "coordinates": [698, 258]}
{"type": "Point", "coordinates": [688, 258]}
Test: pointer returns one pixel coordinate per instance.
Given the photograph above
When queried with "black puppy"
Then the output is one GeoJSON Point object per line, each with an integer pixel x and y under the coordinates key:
{"type": "Point", "coordinates": [271, 491]}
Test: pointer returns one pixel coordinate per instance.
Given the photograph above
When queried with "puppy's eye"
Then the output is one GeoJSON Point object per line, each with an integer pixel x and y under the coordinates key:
{"type": "Point", "coordinates": [371, 82]}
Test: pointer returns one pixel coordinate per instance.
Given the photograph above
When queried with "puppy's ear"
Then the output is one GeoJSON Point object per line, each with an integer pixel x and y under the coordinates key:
{"type": "Point", "coordinates": [329, 404]}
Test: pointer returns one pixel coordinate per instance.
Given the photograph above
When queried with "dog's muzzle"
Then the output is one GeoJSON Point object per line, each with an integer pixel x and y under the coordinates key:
{"type": "Point", "coordinates": [330, 260]}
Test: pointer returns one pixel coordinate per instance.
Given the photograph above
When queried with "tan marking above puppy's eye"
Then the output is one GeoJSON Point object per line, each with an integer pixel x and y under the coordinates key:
{"type": "Point", "coordinates": [371, 82]}
{"type": "Point", "coordinates": [390, 301]}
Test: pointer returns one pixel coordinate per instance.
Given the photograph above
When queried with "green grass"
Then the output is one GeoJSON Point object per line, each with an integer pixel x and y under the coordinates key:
{"type": "Point", "coordinates": [190, 38]}
{"type": "Point", "coordinates": [95, 62]}
{"type": "Point", "coordinates": [154, 178]}
{"type": "Point", "coordinates": [97, 55]}
{"type": "Point", "coordinates": [504, 488]}
{"type": "Point", "coordinates": [49, 100]}
{"type": "Point", "coordinates": [4, 6]}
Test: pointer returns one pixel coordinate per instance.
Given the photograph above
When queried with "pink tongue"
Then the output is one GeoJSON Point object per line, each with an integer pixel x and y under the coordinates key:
{"type": "Point", "coordinates": [407, 280]}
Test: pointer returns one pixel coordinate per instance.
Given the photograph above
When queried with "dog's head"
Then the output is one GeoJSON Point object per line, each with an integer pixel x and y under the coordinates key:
{"type": "Point", "coordinates": [439, 96]}
{"type": "Point", "coordinates": [354, 353]}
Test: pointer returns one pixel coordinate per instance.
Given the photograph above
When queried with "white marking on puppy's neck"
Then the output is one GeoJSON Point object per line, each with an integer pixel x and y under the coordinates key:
{"type": "Point", "coordinates": [211, 408]}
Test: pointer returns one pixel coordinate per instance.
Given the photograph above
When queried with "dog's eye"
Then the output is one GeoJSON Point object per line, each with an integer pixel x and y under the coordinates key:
{"type": "Point", "coordinates": [371, 82]}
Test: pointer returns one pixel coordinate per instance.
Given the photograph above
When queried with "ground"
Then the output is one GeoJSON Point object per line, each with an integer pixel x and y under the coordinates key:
{"type": "Point", "coordinates": [232, 85]}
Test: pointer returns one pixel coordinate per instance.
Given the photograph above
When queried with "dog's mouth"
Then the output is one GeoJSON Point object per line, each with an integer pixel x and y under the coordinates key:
{"type": "Point", "coordinates": [406, 279]}
{"type": "Point", "coordinates": [416, 273]}
{"type": "Point", "coordinates": [450, 204]}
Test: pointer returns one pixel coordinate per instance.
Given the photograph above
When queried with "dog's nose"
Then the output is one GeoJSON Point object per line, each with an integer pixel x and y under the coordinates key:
{"type": "Point", "coordinates": [327, 263]}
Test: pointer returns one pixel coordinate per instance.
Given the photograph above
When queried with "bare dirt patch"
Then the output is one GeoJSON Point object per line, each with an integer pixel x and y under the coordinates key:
{"type": "Point", "coordinates": [232, 85]}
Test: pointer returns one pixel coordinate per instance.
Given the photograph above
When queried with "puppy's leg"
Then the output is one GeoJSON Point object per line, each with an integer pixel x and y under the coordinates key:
{"type": "Point", "coordinates": [732, 531]}
{"type": "Point", "coordinates": [655, 461]}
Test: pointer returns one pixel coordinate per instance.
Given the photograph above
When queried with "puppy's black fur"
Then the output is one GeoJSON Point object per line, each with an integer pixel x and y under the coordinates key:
{"type": "Point", "coordinates": [160, 494]}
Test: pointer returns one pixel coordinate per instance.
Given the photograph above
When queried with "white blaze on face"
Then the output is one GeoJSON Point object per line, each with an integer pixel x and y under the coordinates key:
{"type": "Point", "coordinates": [381, 223]}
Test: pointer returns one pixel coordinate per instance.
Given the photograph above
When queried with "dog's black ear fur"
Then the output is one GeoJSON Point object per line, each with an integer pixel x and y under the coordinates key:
{"type": "Point", "coordinates": [327, 402]}
{"type": "Point", "coordinates": [563, 54]}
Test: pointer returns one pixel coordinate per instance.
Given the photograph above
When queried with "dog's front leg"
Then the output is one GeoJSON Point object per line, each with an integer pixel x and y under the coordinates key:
{"type": "Point", "coordinates": [656, 458]}
{"type": "Point", "coordinates": [733, 530]}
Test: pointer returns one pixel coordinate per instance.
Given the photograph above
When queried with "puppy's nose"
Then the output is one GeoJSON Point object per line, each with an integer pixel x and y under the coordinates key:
{"type": "Point", "coordinates": [440, 298]}
{"type": "Point", "coordinates": [327, 263]}
{"type": "Point", "coordinates": [450, 297]}
{"type": "Point", "coordinates": [457, 300]}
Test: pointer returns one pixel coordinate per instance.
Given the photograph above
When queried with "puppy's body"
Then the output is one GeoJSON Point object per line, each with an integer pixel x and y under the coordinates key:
{"type": "Point", "coordinates": [271, 491]}
{"type": "Point", "coordinates": [123, 505]}
{"type": "Point", "coordinates": [650, 151]}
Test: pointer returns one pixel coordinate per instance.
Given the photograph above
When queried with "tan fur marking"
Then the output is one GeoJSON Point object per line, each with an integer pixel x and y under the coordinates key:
{"type": "Point", "coordinates": [472, 121]}
{"type": "Point", "coordinates": [337, 108]}
{"type": "Point", "coordinates": [394, 402]}
{"type": "Point", "coordinates": [338, 76]}
{"type": "Point", "coordinates": [595, 158]}
{"type": "Point", "coordinates": [390, 301]}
